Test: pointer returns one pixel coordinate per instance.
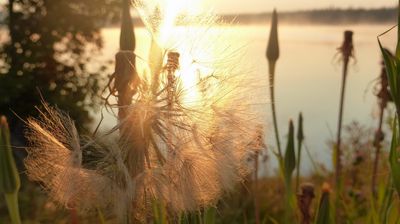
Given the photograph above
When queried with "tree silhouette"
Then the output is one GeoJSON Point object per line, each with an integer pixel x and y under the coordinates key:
{"type": "Point", "coordinates": [50, 50]}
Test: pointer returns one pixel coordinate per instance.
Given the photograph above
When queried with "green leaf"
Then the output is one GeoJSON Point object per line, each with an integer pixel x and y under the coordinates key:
{"type": "Point", "coordinates": [392, 73]}
{"type": "Point", "coordinates": [394, 158]}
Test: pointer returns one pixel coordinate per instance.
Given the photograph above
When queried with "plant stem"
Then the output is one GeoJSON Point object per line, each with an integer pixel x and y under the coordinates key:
{"type": "Point", "coordinates": [338, 180]}
{"type": "Point", "coordinates": [12, 204]}
{"type": "Point", "coordinates": [272, 95]}
{"type": "Point", "coordinates": [340, 121]}
{"type": "Point", "coordinates": [125, 78]}
{"type": "Point", "coordinates": [298, 165]}
{"type": "Point", "coordinates": [377, 152]}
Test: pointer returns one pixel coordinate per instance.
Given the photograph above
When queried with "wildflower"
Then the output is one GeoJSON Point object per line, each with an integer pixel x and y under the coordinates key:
{"type": "Point", "coordinates": [185, 139]}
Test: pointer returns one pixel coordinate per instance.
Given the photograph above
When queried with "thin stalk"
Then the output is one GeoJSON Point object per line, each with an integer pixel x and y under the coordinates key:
{"type": "Point", "coordinates": [272, 57]}
{"type": "Point", "coordinates": [340, 121]}
{"type": "Point", "coordinates": [377, 153]}
{"type": "Point", "coordinates": [300, 138]}
{"type": "Point", "coordinates": [347, 52]}
{"type": "Point", "coordinates": [298, 165]}
{"type": "Point", "coordinates": [272, 97]}
{"type": "Point", "coordinates": [338, 177]}
{"type": "Point", "coordinates": [12, 204]}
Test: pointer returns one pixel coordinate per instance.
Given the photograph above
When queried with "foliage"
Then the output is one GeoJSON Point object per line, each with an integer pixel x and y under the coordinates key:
{"type": "Point", "coordinates": [50, 50]}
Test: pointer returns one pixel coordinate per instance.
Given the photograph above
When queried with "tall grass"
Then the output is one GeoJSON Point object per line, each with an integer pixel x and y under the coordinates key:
{"type": "Point", "coordinates": [272, 56]}
{"type": "Point", "coordinates": [392, 63]}
{"type": "Point", "coordinates": [346, 51]}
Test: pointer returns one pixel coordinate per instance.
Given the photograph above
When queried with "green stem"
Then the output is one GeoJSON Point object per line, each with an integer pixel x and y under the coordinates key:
{"type": "Point", "coordinates": [298, 165]}
{"type": "Point", "coordinates": [272, 95]}
{"type": "Point", "coordinates": [387, 202]}
{"type": "Point", "coordinates": [13, 209]}
{"type": "Point", "coordinates": [377, 153]}
{"type": "Point", "coordinates": [288, 203]}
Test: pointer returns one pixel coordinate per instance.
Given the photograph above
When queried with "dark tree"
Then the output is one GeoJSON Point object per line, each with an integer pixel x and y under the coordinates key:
{"type": "Point", "coordinates": [51, 50]}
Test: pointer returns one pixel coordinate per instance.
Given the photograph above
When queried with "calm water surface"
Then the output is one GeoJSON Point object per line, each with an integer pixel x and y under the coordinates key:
{"type": "Point", "coordinates": [308, 77]}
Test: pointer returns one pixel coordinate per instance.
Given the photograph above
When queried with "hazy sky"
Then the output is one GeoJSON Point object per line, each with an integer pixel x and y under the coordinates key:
{"type": "Point", "coordinates": [236, 6]}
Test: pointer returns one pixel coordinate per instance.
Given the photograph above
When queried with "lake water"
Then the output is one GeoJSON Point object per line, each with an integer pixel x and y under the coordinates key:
{"type": "Point", "coordinates": [308, 77]}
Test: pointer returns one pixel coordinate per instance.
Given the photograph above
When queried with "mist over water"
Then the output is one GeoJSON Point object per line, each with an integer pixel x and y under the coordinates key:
{"type": "Point", "coordinates": [308, 78]}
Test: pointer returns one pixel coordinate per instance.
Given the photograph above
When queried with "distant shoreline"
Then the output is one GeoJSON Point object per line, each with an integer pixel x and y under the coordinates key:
{"type": "Point", "coordinates": [329, 16]}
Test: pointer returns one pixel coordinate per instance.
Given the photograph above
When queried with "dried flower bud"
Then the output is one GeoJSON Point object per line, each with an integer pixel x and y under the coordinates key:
{"type": "Point", "coordinates": [305, 197]}
{"type": "Point", "coordinates": [347, 48]}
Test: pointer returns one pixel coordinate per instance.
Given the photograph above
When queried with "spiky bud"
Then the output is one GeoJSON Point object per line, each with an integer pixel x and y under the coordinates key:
{"type": "Point", "coordinates": [273, 44]}
{"type": "Point", "coordinates": [324, 213]}
{"type": "Point", "coordinates": [300, 133]}
{"type": "Point", "coordinates": [290, 157]}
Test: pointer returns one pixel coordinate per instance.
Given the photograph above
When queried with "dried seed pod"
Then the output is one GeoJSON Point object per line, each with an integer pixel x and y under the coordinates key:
{"type": "Point", "coordinates": [304, 198]}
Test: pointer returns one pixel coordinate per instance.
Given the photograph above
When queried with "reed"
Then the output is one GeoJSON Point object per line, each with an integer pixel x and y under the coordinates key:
{"type": "Point", "coordinates": [272, 57]}
{"type": "Point", "coordinates": [289, 166]}
{"type": "Point", "coordinates": [383, 96]}
{"type": "Point", "coordinates": [392, 68]}
{"type": "Point", "coordinates": [346, 51]}
{"type": "Point", "coordinates": [300, 139]}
